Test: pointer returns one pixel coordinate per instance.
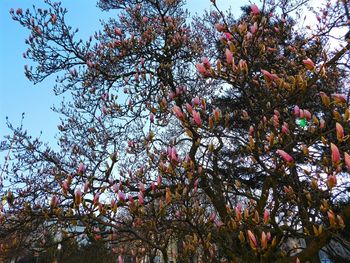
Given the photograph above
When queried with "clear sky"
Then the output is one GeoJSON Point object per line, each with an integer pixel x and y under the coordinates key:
{"type": "Point", "coordinates": [17, 94]}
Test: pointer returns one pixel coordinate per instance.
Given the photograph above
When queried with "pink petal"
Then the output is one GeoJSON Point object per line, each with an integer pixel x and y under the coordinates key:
{"type": "Point", "coordinates": [228, 36]}
{"type": "Point", "coordinates": [77, 196]}
{"type": "Point", "coordinates": [266, 216]}
{"type": "Point", "coordinates": [347, 160]}
{"type": "Point", "coordinates": [339, 98]}
{"type": "Point", "coordinates": [340, 131]}
{"type": "Point", "coordinates": [197, 118]}
{"type": "Point", "coordinates": [254, 9]}
{"type": "Point", "coordinates": [335, 154]}
{"type": "Point", "coordinates": [81, 169]}
{"type": "Point", "coordinates": [229, 56]}
{"type": "Point", "coordinates": [252, 239]}
{"type": "Point", "coordinates": [309, 64]}
{"type": "Point", "coordinates": [178, 112]}
{"type": "Point", "coordinates": [201, 69]}
{"type": "Point", "coordinates": [286, 157]}
{"type": "Point", "coordinates": [269, 75]}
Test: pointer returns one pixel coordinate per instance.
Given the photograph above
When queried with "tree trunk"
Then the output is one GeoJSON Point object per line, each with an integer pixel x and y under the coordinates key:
{"type": "Point", "coordinates": [165, 256]}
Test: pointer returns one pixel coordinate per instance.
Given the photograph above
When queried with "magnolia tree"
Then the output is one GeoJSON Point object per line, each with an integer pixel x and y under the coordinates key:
{"type": "Point", "coordinates": [221, 140]}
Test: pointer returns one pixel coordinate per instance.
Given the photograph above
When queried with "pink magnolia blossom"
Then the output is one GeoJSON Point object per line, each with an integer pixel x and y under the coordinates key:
{"type": "Point", "coordinates": [229, 56]}
{"type": "Point", "coordinates": [219, 223]}
{"type": "Point", "coordinates": [275, 121]}
{"type": "Point", "coordinates": [115, 188]}
{"type": "Point", "coordinates": [286, 157]}
{"type": "Point", "coordinates": [118, 31]}
{"type": "Point", "coordinates": [159, 180]}
{"type": "Point", "coordinates": [268, 235]}
{"type": "Point", "coordinates": [153, 186]}
{"type": "Point", "coordinates": [269, 76]}
{"type": "Point", "coordinates": [245, 115]}
{"type": "Point", "coordinates": [296, 111]}
{"type": "Point", "coordinates": [170, 149]}
{"type": "Point", "coordinates": [335, 154]}
{"type": "Point", "coordinates": [171, 95]}
{"type": "Point", "coordinates": [217, 114]}
{"type": "Point", "coordinates": [65, 186]}
{"type": "Point", "coordinates": [89, 64]}
{"type": "Point", "coordinates": [288, 190]}
{"type": "Point", "coordinates": [252, 240]}
{"type": "Point", "coordinates": [238, 213]}
{"type": "Point", "coordinates": [309, 64]}
{"type": "Point", "coordinates": [196, 101]}
{"type": "Point", "coordinates": [254, 9]}
{"type": "Point", "coordinates": [263, 240]}
{"type": "Point", "coordinates": [54, 201]}
{"type": "Point", "coordinates": [96, 198]}
{"type": "Point", "coordinates": [254, 28]}
{"type": "Point", "coordinates": [142, 187]}
{"type": "Point", "coordinates": [206, 62]}
{"type": "Point", "coordinates": [307, 115]}
{"type": "Point", "coordinates": [86, 187]}
{"type": "Point", "coordinates": [339, 98]}
{"type": "Point", "coordinates": [347, 160]}
{"type": "Point", "coordinates": [251, 130]}
{"type": "Point", "coordinates": [104, 110]}
{"type": "Point", "coordinates": [131, 200]}
{"type": "Point", "coordinates": [228, 36]}
{"type": "Point", "coordinates": [178, 112]}
{"type": "Point", "coordinates": [219, 27]}
{"type": "Point", "coordinates": [113, 203]}
{"type": "Point", "coordinates": [266, 216]}
{"type": "Point", "coordinates": [189, 108]}
{"type": "Point", "coordinates": [322, 124]}
{"type": "Point", "coordinates": [340, 221]}
{"type": "Point", "coordinates": [140, 197]}
{"type": "Point", "coordinates": [19, 11]}
{"type": "Point", "coordinates": [77, 196]}
{"type": "Point", "coordinates": [201, 69]}
{"type": "Point", "coordinates": [53, 19]}
{"type": "Point", "coordinates": [243, 65]}
{"type": "Point", "coordinates": [212, 217]}
{"type": "Point", "coordinates": [81, 169]}
{"type": "Point", "coordinates": [172, 154]}
{"type": "Point", "coordinates": [285, 128]}
{"type": "Point", "coordinates": [197, 118]}
{"type": "Point", "coordinates": [340, 131]}
{"type": "Point", "coordinates": [121, 196]}
{"type": "Point", "coordinates": [331, 217]}
{"type": "Point", "coordinates": [131, 144]}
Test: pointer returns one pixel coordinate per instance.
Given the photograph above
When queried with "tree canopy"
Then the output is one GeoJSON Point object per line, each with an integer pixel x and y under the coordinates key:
{"type": "Point", "coordinates": [223, 137]}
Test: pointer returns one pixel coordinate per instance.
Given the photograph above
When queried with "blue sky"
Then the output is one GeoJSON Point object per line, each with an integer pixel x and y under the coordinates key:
{"type": "Point", "coordinates": [17, 94]}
